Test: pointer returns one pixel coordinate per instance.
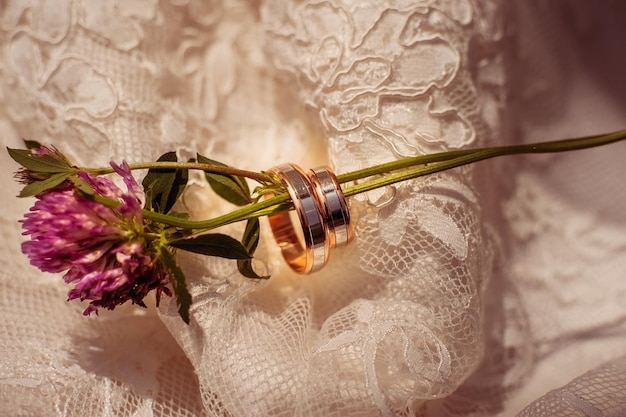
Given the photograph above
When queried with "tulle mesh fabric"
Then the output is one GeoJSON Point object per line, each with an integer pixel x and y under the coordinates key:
{"type": "Point", "coordinates": [597, 393]}
{"type": "Point", "coordinates": [482, 291]}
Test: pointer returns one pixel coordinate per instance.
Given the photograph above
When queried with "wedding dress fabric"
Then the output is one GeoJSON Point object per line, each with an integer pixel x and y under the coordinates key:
{"type": "Point", "coordinates": [494, 289]}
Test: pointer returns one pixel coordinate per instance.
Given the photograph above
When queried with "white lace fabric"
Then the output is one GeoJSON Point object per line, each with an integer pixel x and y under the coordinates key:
{"type": "Point", "coordinates": [476, 292]}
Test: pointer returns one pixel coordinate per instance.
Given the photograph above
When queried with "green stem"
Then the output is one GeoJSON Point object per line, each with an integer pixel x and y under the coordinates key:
{"type": "Point", "coordinates": [259, 177]}
{"type": "Point", "coordinates": [545, 147]}
{"type": "Point", "coordinates": [455, 159]}
{"type": "Point", "coordinates": [232, 217]}
{"type": "Point", "coordinates": [418, 166]}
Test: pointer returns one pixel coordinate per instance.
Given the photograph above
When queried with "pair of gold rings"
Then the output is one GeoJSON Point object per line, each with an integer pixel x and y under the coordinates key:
{"type": "Point", "coordinates": [323, 214]}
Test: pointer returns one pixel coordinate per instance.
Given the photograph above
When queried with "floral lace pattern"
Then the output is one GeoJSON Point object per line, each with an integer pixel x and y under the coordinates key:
{"type": "Point", "coordinates": [440, 306]}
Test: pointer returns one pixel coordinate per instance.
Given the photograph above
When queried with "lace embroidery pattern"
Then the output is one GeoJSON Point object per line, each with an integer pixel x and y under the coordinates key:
{"type": "Point", "coordinates": [398, 321]}
{"type": "Point", "coordinates": [385, 82]}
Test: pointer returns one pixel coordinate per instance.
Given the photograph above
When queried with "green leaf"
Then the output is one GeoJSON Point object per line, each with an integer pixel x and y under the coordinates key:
{"type": "Point", "coordinates": [82, 186]}
{"type": "Point", "coordinates": [177, 277]}
{"type": "Point", "coordinates": [163, 187]}
{"type": "Point", "coordinates": [153, 174]}
{"type": "Point", "coordinates": [32, 144]}
{"type": "Point", "coordinates": [250, 241]}
{"type": "Point", "coordinates": [246, 269]}
{"type": "Point", "coordinates": [213, 244]}
{"type": "Point", "coordinates": [38, 163]}
{"type": "Point", "coordinates": [231, 188]}
{"type": "Point", "coordinates": [41, 186]}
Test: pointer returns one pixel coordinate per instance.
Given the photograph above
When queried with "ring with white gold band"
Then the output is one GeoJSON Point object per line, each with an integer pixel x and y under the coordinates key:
{"type": "Point", "coordinates": [323, 214]}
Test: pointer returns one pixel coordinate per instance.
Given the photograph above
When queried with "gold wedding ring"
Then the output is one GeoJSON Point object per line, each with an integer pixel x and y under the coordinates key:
{"type": "Point", "coordinates": [322, 212]}
{"type": "Point", "coordinates": [333, 205]}
{"type": "Point", "coordinates": [314, 254]}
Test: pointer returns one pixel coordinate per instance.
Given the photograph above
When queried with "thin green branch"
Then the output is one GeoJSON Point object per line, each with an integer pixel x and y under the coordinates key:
{"type": "Point", "coordinates": [417, 166]}
{"type": "Point", "coordinates": [259, 177]}
{"type": "Point", "coordinates": [232, 217]}
{"type": "Point", "coordinates": [544, 147]}
{"type": "Point", "coordinates": [455, 159]}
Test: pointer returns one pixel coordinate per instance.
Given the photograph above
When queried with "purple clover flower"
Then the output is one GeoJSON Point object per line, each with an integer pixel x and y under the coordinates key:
{"type": "Point", "coordinates": [103, 249]}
